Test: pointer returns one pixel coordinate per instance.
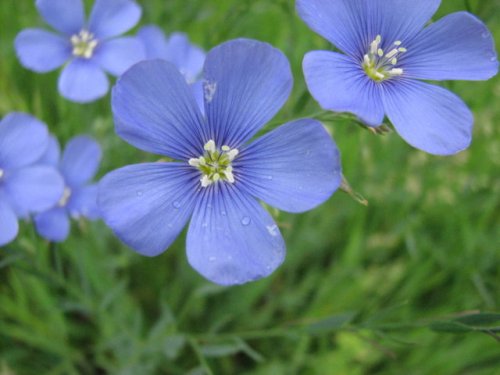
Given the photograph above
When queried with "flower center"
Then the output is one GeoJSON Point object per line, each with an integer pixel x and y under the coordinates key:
{"type": "Point", "coordinates": [379, 65]}
{"type": "Point", "coordinates": [84, 44]}
{"type": "Point", "coordinates": [215, 165]}
{"type": "Point", "coordinates": [65, 197]}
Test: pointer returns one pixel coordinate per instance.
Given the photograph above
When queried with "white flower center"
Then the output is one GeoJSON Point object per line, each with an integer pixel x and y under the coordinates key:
{"type": "Point", "coordinates": [215, 165]}
{"type": "Point", "coordinates": [84, 44]}
{"type": "Point", "coordinates": [65, 197]}
{"type": "Point", "coordinates": [379, 65]}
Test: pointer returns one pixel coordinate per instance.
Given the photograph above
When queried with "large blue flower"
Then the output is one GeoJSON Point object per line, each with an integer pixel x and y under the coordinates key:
{"type": "Point", "coordinates": [78, 165]}
{"type": "Point", "coordinates": [88, 48]}
{"type": "Point", "coordinates": [24, 187]}
{"type": "Point", "coordinates": [231, 238]}
{"type": "Point", "coordinates": [386, 50]}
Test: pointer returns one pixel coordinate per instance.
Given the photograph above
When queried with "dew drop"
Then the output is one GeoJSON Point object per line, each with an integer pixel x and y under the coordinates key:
{"type": "Point", "coordinates": [204, 225]}
{"type": "Point", "coordinates": [176, 204]}
{"type": "Point", "coordinates": [223, 213]}
{"type": "Point", "coordinates": [493, 58]}
{"type": "Point", "coordinates": [485, 35]}
{"type": "Point", "coordinates": [245, 220]}
{"type": "Point", "coordinates": [212, 259]}
{"type": "Point", "coordinates": [269, 177]}
{"type": "Point", "coordinates": [139, 193]}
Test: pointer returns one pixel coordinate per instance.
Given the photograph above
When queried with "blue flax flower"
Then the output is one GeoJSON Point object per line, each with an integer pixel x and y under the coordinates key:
{"type": "Point", "coordinates": [386, 50]}
{"type": "Point", "coordinates": [78, 165]}
{"type": "Point", "coordinates": [177, 49]}
{"type": "Point", "coordinates": [24, 187]}
{"type": "Point", "coordinates": [218, 176]}
{"type": "Point", "coordinates": [87, 48]}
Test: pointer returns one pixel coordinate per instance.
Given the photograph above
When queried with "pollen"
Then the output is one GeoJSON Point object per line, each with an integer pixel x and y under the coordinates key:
{"type": "Point", "coordinates": [380, 65]}
{"type": "Point", "coordinates": [215, 165]}
{"type": "Point", "coordinates": [84, 44]}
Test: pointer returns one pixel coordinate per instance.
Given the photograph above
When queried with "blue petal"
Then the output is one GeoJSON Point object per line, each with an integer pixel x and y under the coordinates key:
{"type": "Point", "coordinates": [154, 110]}
{"type": "Point", "coordinates": [295, 167]}
{"type": "Point", "coordinates": [188, 58]}
{"type": "Point", "coordinates": [117, 55]}
{"type": "Point", "coordinates": [83, 203]}
{"type": "Point", "coordinates": [232, 239]}
{"type": "Point", "coordinates": [66, 16]}
{"type": "Point", "coordinates": [147, 205]}
{"type": "Point", "coordinates": [428, 117]}
{"type": "Point", "coordinates": [459, 46]}
{"type": "Point", "coordinates": [42, 51]}
{"type": "Point", "coordinates": [339, 84]}
{"type": "Point", "coordinates": [53, 225]}
{"type": "Point", "coordinates": [110, 18]}
{"type": "Point", "coordinates": [23, 140]}
{"type": "Point", "coordinates": [154, 42]}
{"type": "Point", "coordinates": [246, 83]}
{"type": "Point", "coordinates": [352, 25]}
{"type": "Point", "coordinates": [82, 81]}
{"type": "Point", "coordinates": [197, 90]}
{"type": "Point", "coordinates": [80, 160]}
{"type": "Point", "coordinates": [8, 223]}
{"type": "Point", "coordinates": [34, 189]}
{"type": "Point", "coordinates": [52, 153]}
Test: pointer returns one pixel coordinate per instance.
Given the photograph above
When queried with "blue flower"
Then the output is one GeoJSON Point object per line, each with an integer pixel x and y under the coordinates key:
{"type": "Point", "coordinates": [24, 187]}
{"type": "Point", "coordinates": [87, 48]}
{"type": "Point", "coordinates": [386, 51]}
{"type": "Point", "coordinates": [177, 49]}
{"type": "Point", "coordinates": [218, 176]}
{"type": "Point", "coordinates": [78, 165]}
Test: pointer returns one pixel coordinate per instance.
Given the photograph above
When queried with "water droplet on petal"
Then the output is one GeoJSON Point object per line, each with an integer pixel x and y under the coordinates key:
{"type": "Point", "coordinates": [176, 204]}
{"type": "Point", "coordinates": [139, 193]}
{"type": "Point", "coordinates": [204, 225]}
{"type": "Point", "coordinates": [269, 177]}
{"type": "Point", "coordinates": [493, 58]}
{"type": "Point", "coordinates": [223, 213]}
{"type": "Point", "coordinates": [212, 259]}
{"type": "Point", "coordinates": [485, 34]}
{"type": "Point", "coordinates": [245, 220]}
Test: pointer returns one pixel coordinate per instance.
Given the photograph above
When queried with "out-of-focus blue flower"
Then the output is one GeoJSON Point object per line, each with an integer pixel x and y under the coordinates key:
{"type": "Point", "coordinates": [78, 166]}
{"type": "Point", "coordinates": [387, 49]}
{"type": "Point", "coordinates": [177, 49]}
{"type": "Point", "coordinates": [24, 187]}
{"type": "Point", "coordinates": [89, 49]}
{"type": "Point", "coordinates": [218, 176]}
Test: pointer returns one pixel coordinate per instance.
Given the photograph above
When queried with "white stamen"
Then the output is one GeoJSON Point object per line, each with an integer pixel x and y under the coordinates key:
{"type": "Point", "coordinates": [398, 43]}
{"type": "Point", "coordinates": [394, 61]}
{"type": "Point", "coordinates": [225, 148]}
{"type": "Point", "coordinates": [83, 44]}
{"type": "Point", "coordinates": [379, 75]}
{"type": "Point", "coordinates": [366, 59]}
{"type": "Point", "coordinates": [380, 52]}
{"type": "Point", "coordinates": [210, 146]}
{"type": "Point", "coordinates": [402, 49]}
{"type": "Point", "coordinates": [229, 176]}
{"type": "Point", "coordinates": [232, 154]}
{"type": "Point", "coordinates": [392, 53]}
{"type": "Point", "coordinates": [205, 181]}
{"type": "Point", "coordinates": [379, 65]}
{"type": "Point", "coordinates": [396, 71]}
{"type": "Point", "coordinates": [194, 162]}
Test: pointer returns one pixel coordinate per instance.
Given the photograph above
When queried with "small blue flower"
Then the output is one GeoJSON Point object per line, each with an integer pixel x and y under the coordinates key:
{"type": "Point", "coordinates": [87, 48]}
{"type": "Point", "coordinates": [218, 176]}
{"type": "Point", "coordinates": [177, 49]}
{"type": "Point", "coordinates": [387, 50]}
{"type": "Point", "coordinates": [78, 165]}
{"type": "Point", "coordinates": [24, 187]}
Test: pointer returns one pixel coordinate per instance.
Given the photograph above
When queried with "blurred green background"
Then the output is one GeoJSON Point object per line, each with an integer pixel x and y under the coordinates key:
{"type": "Point", "coordinates": [364, 290]}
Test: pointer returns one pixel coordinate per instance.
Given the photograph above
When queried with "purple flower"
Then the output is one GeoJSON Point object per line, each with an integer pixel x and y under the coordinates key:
{"type": "Point", "coordinates": [87, 48]}
{"type": "Point", "coordinates": [218, 176]}
{"type": "Point", "coordinates": [177, 49]}
{"type": "Point", "coordinates": [24, 187]}
{"type": "Point", "coordinates": [78, 165]}
{"type": "Point", "coordinates": [387, 49]}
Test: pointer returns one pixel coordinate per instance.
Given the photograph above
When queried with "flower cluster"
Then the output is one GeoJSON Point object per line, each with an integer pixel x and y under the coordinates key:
{"type": "Point", "coordinates": [203, 111]}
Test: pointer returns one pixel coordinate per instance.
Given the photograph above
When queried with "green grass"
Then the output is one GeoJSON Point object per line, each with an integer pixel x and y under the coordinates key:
{"type": "Point", "coordinates": [363, 290]}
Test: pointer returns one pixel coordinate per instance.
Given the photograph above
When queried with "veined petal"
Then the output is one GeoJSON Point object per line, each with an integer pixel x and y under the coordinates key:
{"type": "Point", "coordinates": [155, 110]}
{"type": "Point", "coordinates": [428, 117]}
{"type": "Point", "coordinates": [83, 202]}
{"type": "Point", "coordinates": [197, 90]}
{"type": "Point", "coordinates": [80, 160]}
{"type": "Point", "coordinates": [232, 239]}
{"type": "Point", "coordinates": [83, 81]}
{"type": "Point", "coordinates": [34, 189]}
{"type": "Point", "coordinates": [246, 83]}
{"type": "Point", "coordinates": [351, 25]}
{"type": "Point", "coordinates": [147, 205]}
{"type": "Point", "coordinates": [66, 16]}
{"type": "Point", "coordinates": [23, 140]}
{"type": "Point", "coordinates": [339, 84]}
{"type": "Point", "coordinates": [53, 225]}
{"type": "Point", "coordinates": [295, 167]}
{"type": "Point", "coordinates": [458, 46]}
{"type": "Point", "coordinates": [117, 55]}
{"type": "Point", "coordinates": [154, 42]}
{"type": "Point", "coordinates": [52, 153]}
{"type": "Point", "coordinates": [188, 58]}
{"type": "Point", "coordinates": [8, 223]}
{"type": "Point", "coordinates": [111, 18]}
{"type": "Point", "coordinates": [42, 51]}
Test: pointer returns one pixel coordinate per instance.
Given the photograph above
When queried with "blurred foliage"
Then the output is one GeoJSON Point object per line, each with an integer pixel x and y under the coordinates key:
{"type": "Point", "coordinates": [407, 285]}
